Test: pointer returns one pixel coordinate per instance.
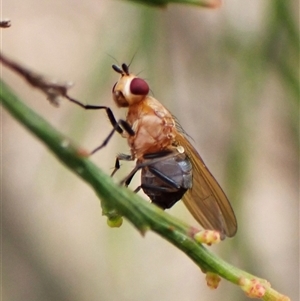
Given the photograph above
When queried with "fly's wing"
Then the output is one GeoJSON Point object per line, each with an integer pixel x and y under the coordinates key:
{"type": "Point", "coordinates": [206, 200]}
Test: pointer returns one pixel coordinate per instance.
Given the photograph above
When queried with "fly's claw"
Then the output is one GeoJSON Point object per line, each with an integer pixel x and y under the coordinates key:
{"type": "Point", "coordinates": [208, 237]}
{"type": "Point", "coordinates": [212, 280]}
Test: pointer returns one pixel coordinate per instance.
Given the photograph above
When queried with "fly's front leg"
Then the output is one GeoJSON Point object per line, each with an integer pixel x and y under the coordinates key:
{"type": "Point", "coordinates": [109, 112]}
{"type": "Point", "coordinates": [118, 126]}
{"type": "Point", "coordinates": [125, 127]}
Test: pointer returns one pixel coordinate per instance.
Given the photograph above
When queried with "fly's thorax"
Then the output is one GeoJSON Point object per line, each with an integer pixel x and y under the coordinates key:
{"type": "Point", "coordinates": [129, 90]}
{"type": "Point", "coordinates": [154, 131]}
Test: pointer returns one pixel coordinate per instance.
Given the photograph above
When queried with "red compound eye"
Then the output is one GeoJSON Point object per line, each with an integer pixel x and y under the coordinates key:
{"type": "Point", "coordinates": [139, 87]}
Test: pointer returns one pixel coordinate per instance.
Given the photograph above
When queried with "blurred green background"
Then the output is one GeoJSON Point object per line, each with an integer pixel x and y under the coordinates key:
{"type": "Point", "coordinates": [231, 78]}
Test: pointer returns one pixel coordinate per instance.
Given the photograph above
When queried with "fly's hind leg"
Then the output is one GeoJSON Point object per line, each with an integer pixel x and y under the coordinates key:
{"type": "Point", "coordinates": [153, 187]}
{"type": "Point", "coordinates": [150, 159]}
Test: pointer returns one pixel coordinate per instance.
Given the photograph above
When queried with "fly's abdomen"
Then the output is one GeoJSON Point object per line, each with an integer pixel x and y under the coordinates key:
{"type": "Point", "coordinates": [165, 181]}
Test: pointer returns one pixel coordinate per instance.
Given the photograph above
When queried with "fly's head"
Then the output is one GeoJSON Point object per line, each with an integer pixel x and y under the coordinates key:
{"type": "Point", "coordinates": [129, 89]}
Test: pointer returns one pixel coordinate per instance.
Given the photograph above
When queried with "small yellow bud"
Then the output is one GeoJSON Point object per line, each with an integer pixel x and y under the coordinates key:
{"type": "Point", "coordinates": [212, 280]}
{"type": "Point", "coordinates": [115, 222]}
{"type": "Point", "coordinates": [253, 288]}
{"type": "Point", "coordinates": [208, 237]}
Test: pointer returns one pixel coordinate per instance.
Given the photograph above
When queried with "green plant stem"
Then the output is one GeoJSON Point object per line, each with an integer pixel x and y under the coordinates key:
{"type": "Point", "coordinates": [117, 200]}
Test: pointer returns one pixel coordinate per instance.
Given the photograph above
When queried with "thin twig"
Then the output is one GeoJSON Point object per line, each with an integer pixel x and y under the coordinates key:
{"type": "Point", "coordinates": [5, 23]}
{"type": "Point", "coordinates": [52, 89]}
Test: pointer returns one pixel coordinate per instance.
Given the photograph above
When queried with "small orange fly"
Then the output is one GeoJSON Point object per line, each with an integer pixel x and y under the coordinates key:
{"type": "Point", "coordinates": [171, 168]}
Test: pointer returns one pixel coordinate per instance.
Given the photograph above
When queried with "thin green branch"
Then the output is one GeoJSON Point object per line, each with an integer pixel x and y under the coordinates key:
{"type": "Point", "coordinates": [119, 201]}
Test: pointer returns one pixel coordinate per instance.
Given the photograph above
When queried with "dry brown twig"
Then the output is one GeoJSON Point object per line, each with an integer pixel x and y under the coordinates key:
{"type": "Point", "coordinates": [51, 88]}
{"type": "Point", "coordinates": [5, 23]}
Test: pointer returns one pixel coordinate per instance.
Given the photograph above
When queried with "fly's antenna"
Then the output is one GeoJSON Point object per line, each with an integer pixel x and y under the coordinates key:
{"type": "Point", "coordinates": [132, 58]}
{"type": "Point", "coordinates": [113, 58]}
{"type": "Point", "coordinates": [125, 68]}
{"type": "Point", "coordinates": [117, 69]}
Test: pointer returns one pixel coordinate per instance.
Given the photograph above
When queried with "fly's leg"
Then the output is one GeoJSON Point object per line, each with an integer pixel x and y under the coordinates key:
{"type": "Point", "coordinates": [118, 126]}
{"type": "Point", "coordinates": [171, 183]}
{"type": "Point", "coordinates": [157, 155]}
{"type": "Point", "coordinates": [125, 157]}
{"type": "Point", "coordinates": [109, 113]}
{"type": "Point", "coordinates": [126, 127]}
{"type": "Point", "coordinates": [167, 180]}
{"type": "Point", "coordinates": [120, 157]}
{"type": "Point", "coordinates": [151, 158]}
{"type": "Point", "coordinates": [162, 189]}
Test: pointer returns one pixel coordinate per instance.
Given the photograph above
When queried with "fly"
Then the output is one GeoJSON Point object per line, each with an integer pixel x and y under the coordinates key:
{"type": "Point", "coordinates": [171, 168]}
